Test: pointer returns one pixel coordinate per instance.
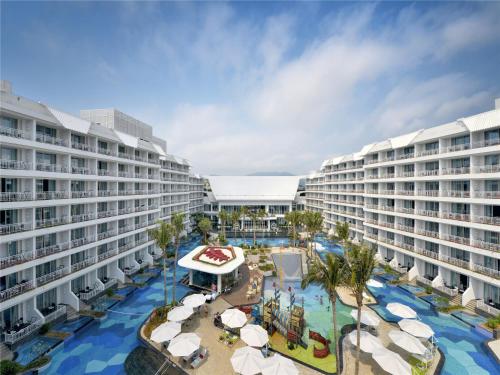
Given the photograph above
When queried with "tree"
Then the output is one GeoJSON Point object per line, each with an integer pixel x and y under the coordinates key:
{"type": "Point", "coordinates": [235, 219]}
{"type": "Point", "coordinates": [244, 211]}
{"type": "Point", "coordinates": [253, 216]}
{"type": "Point", "coordinates": [361, 261]}
{"type": "Point", "coordinates": [261, 215]}
{"type": "Point", "coordinates": [177, 231]}
{"type": "Point", "coordinates": [329, 276]}
{"type": "Point", "coordinates": [294, 219]}
{"type": "Point", "coordinates": [162, 235]}
{"type": "Point", "coordinates": [342, 232]}
{"type": "Point", "coordinates": [314, 224]}
{"type": "Point", "coordinates": [205, 226]}
{"type": "Point", "coordinates": [224, 217]}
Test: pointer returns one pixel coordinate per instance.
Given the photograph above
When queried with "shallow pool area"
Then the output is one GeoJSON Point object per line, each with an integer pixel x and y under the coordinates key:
{"type": "Point", "coordinates": [415, 289]}
{"type": "Point", "coordinates": [72, 326]}
{"type": "Point", "coordinates": [32, 349]}
{"type": "Point", "coordinates": [472, 319]}
{"type": "Point", "coordinates": [462, 345]}
{"type": "Point", "coordinates": [436, 300]}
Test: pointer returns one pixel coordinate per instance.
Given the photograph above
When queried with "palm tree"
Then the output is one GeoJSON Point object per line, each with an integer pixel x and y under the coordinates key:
{"type": "Point", "coordinates": [235, 219]}
{"type": "Point", "coordinates": [261, 215]}
{"type": "Point", "coordinates": [162, 235]}
{"type": "Point", "coordinates": [253, 216]}
{"type": "Point", "coordinates": [205, 226]}
{"type": "Point", "coordinates": [244, 211]}
{"type": "Point", "coordinates": [177, 231]}
{"type": "Point", "coordinates": [361, 261]}
{"type": "Point", "coordinates": [314, 224]}
{"type": "Point", "coordinates": [329, 276]}
{"type": "Point", "coordinates": [342, 232]}
{"type": "Point", "coordinates": [294, 218]}
{"type": "Point", "coordinates": [223, 216]}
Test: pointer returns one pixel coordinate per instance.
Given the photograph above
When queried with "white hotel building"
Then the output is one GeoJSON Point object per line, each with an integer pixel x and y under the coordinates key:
{"type": "Point", "coordinates": [78, 195]}
{"type": "Point", "coordinates": [429, 201]}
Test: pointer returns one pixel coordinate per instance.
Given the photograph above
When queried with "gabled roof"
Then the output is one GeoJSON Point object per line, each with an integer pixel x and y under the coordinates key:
{"type": "Point", "coordinates": [440, 131]}
{"type": "Point", "coordinates": [254, 188]}
{"type": "Point", "coordinates": [70, 122]}
{"type": "Point", "coordinates": [482, 121]}
{"type": "Point", "coordinates": [403, 140]}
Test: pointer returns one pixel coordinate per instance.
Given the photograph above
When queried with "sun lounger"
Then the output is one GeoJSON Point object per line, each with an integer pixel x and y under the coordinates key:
{"type": "Point", "coordinates": [200, 358]}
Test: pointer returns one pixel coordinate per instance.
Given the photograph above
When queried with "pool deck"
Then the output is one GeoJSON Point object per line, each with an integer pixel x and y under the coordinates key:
{"type": "Point", "coordinates": [238, 295]}
{"type": "Point", "coordinates": [494, 346]}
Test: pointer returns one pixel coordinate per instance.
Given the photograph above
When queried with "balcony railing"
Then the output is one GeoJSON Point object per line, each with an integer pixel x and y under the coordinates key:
{"type": "Point", "coordinates": [108, 213]}
{"type": "Point", "coordinates": [487, 168]}
{"type": "Point", "coordinates": [126, 246]}
{"type": "Point", "coordinates": [83, 264]}
{"type": "Point", "coordinates": [12, 260]}
{"type": "Point", "coordinates": [455, 193]}
{"type": "Point", "coordinates": [16, 290]}
{"type": "Point", "coordinates": [14, 228]}
{"type": "Point", "coordinates": [83, 217]}
{"type": "Point", "coordinates": [106, 151]}
{"type": "Point", "coordinates": [406, 228]}
{"type": "Point", "coordinates": [433, 151]}
{"type": "Point", "coordinates": [424, 280]}
{"type": "Point", "coordinates": [455, 261]}
{"type": "Point", "coordinates": [455, 216]}
{"type": "Point", "coordinates": [51, 140]}
{"type": "Point", "coordinates": [56, 168]}
{"type": "Point", "coordinates": [130, 270]}
{"type": "Point", "coordinates": [52, 249]}
{"type": "Point", "coordinates": [49, 277]}
{"type": "Point", "coordinates": [46, 223]}
{"type": "Point", "coordinates": [107, 254]}
{"type": "Point", "coordinates": [13, 337]}
{"type": "Point", "coordinates": [427, 253]}
{"type": "Point", "coordinates": [430, 213]}
{"type": "Point", "coordinates": [491, 220]}
{"type": "Point", "coordinates": [59, 311]}
{"type": "Point", "coordinates": [48, 195]}
{"type": "Point", "coordinates": [126, 228]}
{"type": "Point", "coordinates": [455, 148]}
{"type": "Point", "coordinates": [483, 306]}
{"type": "Point", "coordinates": [406, 156]}
{"type": "Point", "coordinates": [82, 146]}
{"type": "Point", "coordinates": [488, 194]}
{"type": "Point", "coordinates": [456, 239]}
{"type": "Point", "coordinates": [428, 193]}
{"type": "Point", "coordinates": [454, 171]}
{"type": "Point", "coordinates": [15, 164]}
{"type": "Point", "coordinates": [428, 233]}
{"type": "Point", "coordinates": [406, 174]}
{"type": "Point", "coordinates": [430, 172]}
{"type": "Point", "coordinates": [448, 291]}
{"type": "Point", "coordinates": [486, 271]}
{"type": "Point", "coordinates": [96, 291]}
{"type": "Point", "coordinates": [82, 194]}
{"type": "Point", "coordinates": [107, 234]}
{"type": "Point", "coordinates": [15, 133]}
{"type": "Point", "coordinates": [83, 241]}
{"type": "Point", "coordinates": [406, 192]}
{"type": "Point", "coordinates": [486, 245]}
{"type": "Point", "coordinates": [126, 210]}
{"type": "Point", "coordinates": [15, 196]}
{"type": "Point", "coordinates": [107, 193]}
{"type": "Point", "coordinates": [82, 170]}
{"type": "Point", "coordinates": [406, 246]}
{"type": "Point", "coordinates": [105, 172]}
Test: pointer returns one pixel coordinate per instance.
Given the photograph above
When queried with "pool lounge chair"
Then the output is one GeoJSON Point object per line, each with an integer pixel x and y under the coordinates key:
{"type": "Point", "coordinates": [200, 358]}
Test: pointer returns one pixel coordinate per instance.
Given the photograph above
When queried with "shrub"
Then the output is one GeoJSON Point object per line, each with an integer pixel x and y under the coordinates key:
{"type": "Point", "coordinates": [428, 289]}
{"type": "Point", "coordinates": [110, 292]}
{"type": "Point", "coordinates": [44, 328]}
{"type": "Point", "coordinates": [9, 367]}
{"type": "Point", "coordinates": [39, 362]}
{"type": "Point", "coordinates": [493, 322]}
{"type": "Point", "coordinates": [158, 317]}
{"type": "Point", "coordinates": [449, 308]}
{"type": "Point", "coordinates": [262, 258]}
{"type": "Point", "coordinates": [266, 267]}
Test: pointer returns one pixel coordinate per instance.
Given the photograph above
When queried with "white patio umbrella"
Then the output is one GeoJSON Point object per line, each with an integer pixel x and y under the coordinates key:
{"type": "Point", "coordinates": [416, 328]}
{"type": "Point", "coordinates": [247, 361]}
{"type": "Point", "coordinates": [374, 283]}
{"type": "Point", "coordinates": [254, 335]}
{"type": "Point", "coordinates": [403, 311]}
{"type": "Point", "coordinates": [179, 313]}
{"type": "Point", "coordinates": [234, 318]}
{"type": "Point", "coordinates": [367, 342]}
{"type": "Point", "coordinates": [367, 318]}
{"type": "Point", "coordinates": [391, 362]}
{"type": "Point", "coordinates": [407, 342]}
{"type": "Point", "coordinates": [194, 300]}
{"type": "Point", "coordinates": [184, 344]}
{"type": "Point", "coordinates": [165, 332]}
{"type": "Point", "coordinates": [279, 365]}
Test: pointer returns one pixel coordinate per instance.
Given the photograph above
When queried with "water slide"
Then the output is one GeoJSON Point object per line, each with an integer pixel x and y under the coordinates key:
{"type": "Point", "coordinates": [290, 264]}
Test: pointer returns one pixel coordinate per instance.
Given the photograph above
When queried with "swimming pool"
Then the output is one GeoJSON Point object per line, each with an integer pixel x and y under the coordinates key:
{"type": "Point", "coordinates": [102, 347]}
{"type": "Point", "coordinates": [436, 300]}
{"type": "Point", "coordinates": [32, 349]}
{"type": "Point", "coordinates": [71, 326]}
{"type": "Point", "coordinates": [462, 345]}
{"type": "Point", "coordinates": [473, 320]}
{"type": "Point", "coordinates": [415, 289]}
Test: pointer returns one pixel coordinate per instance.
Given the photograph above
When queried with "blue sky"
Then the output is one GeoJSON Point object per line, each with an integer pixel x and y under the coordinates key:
{"type": "Point", "coordinates": [244, 87]}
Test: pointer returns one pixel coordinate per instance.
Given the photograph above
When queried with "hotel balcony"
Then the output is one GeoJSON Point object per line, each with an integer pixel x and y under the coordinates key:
{"type": "Point", "coordinates": [48, 195]}
{"type": "Point", "coordinates": [432, 172]}
{"type": "Point", "coordinates": [406, 246]}
{"type": "Point", "coordinates": [49, 277]}
{"type": "Point", "coordinates": [15, 164]}
{"type": "Point", "coordinates": [107, 234]}
{"type": "Point", "coordinates": [107, 254]}
{"type": "Point", "coordinates": [82, 194]}
{"type": "Point", "coordinates": [126, 228]}
{"type": "Point", "coordinates": [427, 233]}
{"type": "Point", "coordinates": [491, 220]}
{"type": "Point", "coordinates": [406, 192]}
{"type": "Point", "coordinates": [405, 210]}
{"type": "Point", "coordinates": [11, 337]}
{"type": "Point", "coordinates": [405, 228]}
{"type": "Point", "coordinates": [454, 171]}
{"type": "Point", "coordinates": [16, 290]}
{"type": "Point", "coordinates": [456, 239]}
{"type": "Point", "coordinates": [83, 264]}
{"type": "Point", "coordinates": [105, 172]}
{"type": "Point", "coordinates": [455, 193]}
{"type": "Point", "coordinates": [106, 151]}
{"type": "Point", "coordinates": [428, 193]}
{"type": "Point", "coordinates": [405, 156]}
{"type": "Point", "coordinates": [456, 148]}
{"type": "Point", "coordinates": [385, 224]}
{"type": "Point", "coordinates": [452, 292]}
{"type": "Point", "coordinates": [83, 217]}
{"type": "Point", "coordinates": [47, 223]}
{"type": "Point", "coordinates": [141, 225]}
{"type": "Point", "coordinates": [56, 168]}
{"type": "Point", "coordinates": [85, 240]}
{"type": "Point", "coordinates": [125, 155]}
{"type": "Point", "coordinates": [486, 143]}
{"type": "Point", "coordinates": [14, 228]}
{"type": "Point", "coordinates": [486, 271]}
{"type": "Point", "coordinates": [434, 151]}
{"type": "Point", "coordinates": [126, 210]}
{"type": "Point", "coordinates": [82, 146]}
{"type": "Point", "coordinates": [455, 216]}
{"type": "Point", "coordinates": [406, 174]}
{"type": "Point", "coordinates": [487, 169]}
{"type": "Point", "coordinates": [386, 192]}
{"type": "Point", "coordinates": [106, 193]}
{"type": "Point", "coordinates": [455, 261]}
{"type": "Point", "coordinates": [427, 253]}
{"type": "Point", "coordinates": [483, 306]}
{"type": "Point", "coordinates": [424, 280]}
{"type": "Point", "coordinates": [430, 213]}
{"type": "Point", "coordinates": [51, 140]}
{"type": "Point", "coordinates": [108, 213]}
{"type": "Point", "coordinates": [14, 133]}
{"type": "Point", "coordinates": [488, 194]}
{"type": "Point", "coordinates": [126, 246]}
{"type": "Point", "coordinates": [15, 196]}
{"type": "Point", "coordinates": [486, 245]}
{"type": "Point", "coordinates": [12, 260]}
{"type": "Point", "coordinates": [59, 311]}
{"type": "Point", "coordinates": [131, 270]}
{"type": "Point", "coordinates": [53, 249]}
{"type": "Point", "coordinates": [82, 170]}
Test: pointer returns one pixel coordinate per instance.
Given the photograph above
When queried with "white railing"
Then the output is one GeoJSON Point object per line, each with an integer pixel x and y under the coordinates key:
{"type": "Point", "coordinates": [82, 217]}
{"type": "Point", "coordinates": [52, 249]}
{"type": "Point", "coordinates": [14, 228]}
{"type": "Point", "coordinates": [52, 140]}
{"type": "Point", "coordinates": [16, 290]}
{"type": "Point", "coordinates": [486, 143]}
{"type": "Point", "coordinates": [126, 228]}
{"type": "Point", "coordinates": [455, 148]}
{"type": "Point", "coordinates": [428, 233]}
{"type": "Point", "coordinates": [455, 216]}
{"type": "Point", "coordinates": [85, 296]}
{"type": "Point", "coordinates": [106, 193]}
{"type": "Point", "coordinates": [405, 228]}
{"type": "Point", "coordinates": [428, 193]}
{"type": "Point", "coordinates": [45, 223]}
{"type": "Point", "coordinates": [15, 259]}
{"type": "Point", "coordinates": [15, 133]}
{"type": "Point", "coordinates": [108, 213]}
{"type": "Point", "coordinates": [424, 281]}
{"type": "Point", "coordinates": [493, 220]}
{"type": "Point", "coordinates": [15, 196]}
{"type": "Point", "coordinates": [84, 263]}
{"type": "Point", "coordinates": [126, 246]}
{"type": "Point", "coordinates": [483, 306]}
{"type": "Point", "coordinates": [13, 337]}
{"type": "Point", "coordinates": [455, 193]}
{"type": "Point", "coordinates": [107, 234]}
{"type": "Point", "coordinates": [433, 151]}
{"type": "Point", "coordinates": [448, 291]}
{"type": "Point", "coordinates": [427, 253]}
{"type": "Point", "coordinates": [453, 171]}
{"type": "Point", "coordinates": [486, 270]}
{"type": "Point", "coordinates": [14, 164]}
{"type": "Point", "coordinates": [107, 254]}
{"type": "Point", "coordinates": [429, 213]}
{"type": "Point", "coordinates": [487, 168]}
{"type": "Point", "coordinates": [82, 170]}
{"type": "Point", "coordinates": [131, 270]}
{"type": "Point", "coordinates": [488, 194]}
{"type": "Point", "coordinates": [106, 151]}
{"type": "Point", "coordinates": [82, 194]}
{"type": "Point", "coordinates": [47, 195]}
{"type": "Point", "coordinates": [110, 283]}
{"type": "Point", "coordinates": [45, 167]}
{"type": "Point", "coordinates": [455, 261]}
{"type": "Point", "coordinates": [486, 245]}
{"type": "Point", "coordinates": [82, 146]}
{"type": "Point", "coordinates": [60, 311]}
{"type": "Point", "coordinates": [456, 239]}
{"type": "Point", "coordinates": [57, 274]}
{"type": "Point", "coordinates": [430, 172]}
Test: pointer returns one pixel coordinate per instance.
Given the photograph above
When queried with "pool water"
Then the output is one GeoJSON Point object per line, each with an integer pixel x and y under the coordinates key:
{"type": "Point", "coordinates": [141, 278]}
{"type": "Point", "coordinates": [473, 320]}
{"type": "Point", "coordinates": [71, 326]}
{"type": "Point", "coordinates": [436, 300]}
{"type": "Point", "coordinates": [415, 289]}
{"type": "Point", "coordinates": [462, 345]}
{"type": "Point", "coordinates": [265, 241]}
{"type": "Point", "coordinates": [103, 346]}
{"type": "Point", "coordinates": [103, 303]}
{"type": "Point", "coordinates": [35, 348]}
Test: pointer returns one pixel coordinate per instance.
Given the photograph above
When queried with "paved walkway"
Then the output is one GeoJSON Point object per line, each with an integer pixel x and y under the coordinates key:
{"type": "Point", "coordinates": [238, 295]}
{"type": "Point", "coordinates": [495, 348]}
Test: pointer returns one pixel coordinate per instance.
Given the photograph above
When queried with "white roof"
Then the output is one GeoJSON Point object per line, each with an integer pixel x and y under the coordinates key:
{"type": "Point", "coordinates": [403, 140]}
{"type": "Point", "coordinates": [440, 131]}
{"type": "Point", "coordinates": [188, 262]}
{"type": "Point", "coordinates": [254, 188]}
{"type": "Point", "coordinates": [127, 139]}
{"type": "Point", "coordinates": [70, 122]}
{"type": "Point", "coordinates": [482, 121]}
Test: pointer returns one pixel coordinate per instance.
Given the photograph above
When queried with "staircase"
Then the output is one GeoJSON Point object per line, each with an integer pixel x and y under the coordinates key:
{"type": "Point", "coordinates": [457, 300]}
{"type": "Point", "coordinates": [471, 306]}
{"type": "Point", "coordinates": [71, 313]}
{"type": "Point", "coordinates": [5, 352]}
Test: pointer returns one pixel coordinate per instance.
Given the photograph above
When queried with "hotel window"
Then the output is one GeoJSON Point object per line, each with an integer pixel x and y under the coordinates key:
{"type": "Point", "coordinates": [492, 294]}
{"type": "Point", "coordinates": [460, 231]}
{"type": "Point", "coordinates": [432, 186]}
{"type": "Point", "coordinates": [410, 186]}
{"type": "Point", "coordinates": [45, 131]}
{"type": "Point", "coordinates": [491, 263]}
{"type": "Point", "coordinates": [492, 159]}
{"type": "Point", "coordinates": [432, 206]}
{"type": "Point", "coordinates": [460, 163]}
{"type": "Point", "coordinates": [431, 246]}
{"type": "Point", "coordinates": [45, 185]}
{"type": "Point", "coordinates": [460, 186]}
{"type": "Point", "coordinates": [78, 139]}
{"type": "Point", "coordinates": [462, 140]}
{"type": "Point", "coordinates": [46, 240]}
{"type": "Point", "coordinates": [408, 150]}
{"type": "Point", "coordinates": [460, 208]}
{"type": "Point", "coordinates": [431, 270]}
{"type": "Point", "coordinates": [102, 145]}
{"type": "Point", "coordinates": [45, 213]}
{"type": "Point", "coordinates": [77, 234]}
{"type": "Point", "coordinates": [77, 209]}
{"type": "Point", "coordinates": [492, 237]}
{"type": "Point", "coordinates": [77, 162]}
{"type": "Point", "coordinates": [102, 228]}
{"type": "Point", "coordinates": [8, 217]}
{"type": "Point", "coordinates": [459, 254]}
{"type": "Point", "coordinates": [409, 204]}
{"type": "Point", "coordinates": [431, 165]}
{"type": "Point", "coordinates": [431, 226]}
{"type": "Point", "coordinates": [44, 158]}
{"type": "Point", "coordinates": [492, 211]}
{"type": "Point", "coordinates": [492, 185]}
{"type": "Point", "coordinates": [390, 155]}
{"type": "Point", "coordinates": [102, 165]}
{"type": "Point", "coordinates": [8, 153]}
{"type": "Point", "coordinates": [9, 185]}
{"type": "Point", "coordinates": [431, 146]}
{"type": "Point", "coordinates": [8, 122]}
{"type": "Point", "coordinates": [46, 300]}
{"type": "Point", "coordinates": [45, 268]}
{"type": "Point", "coordinates": [77, 185]}
{"type": "Point", "coordinates": [492, 137]}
